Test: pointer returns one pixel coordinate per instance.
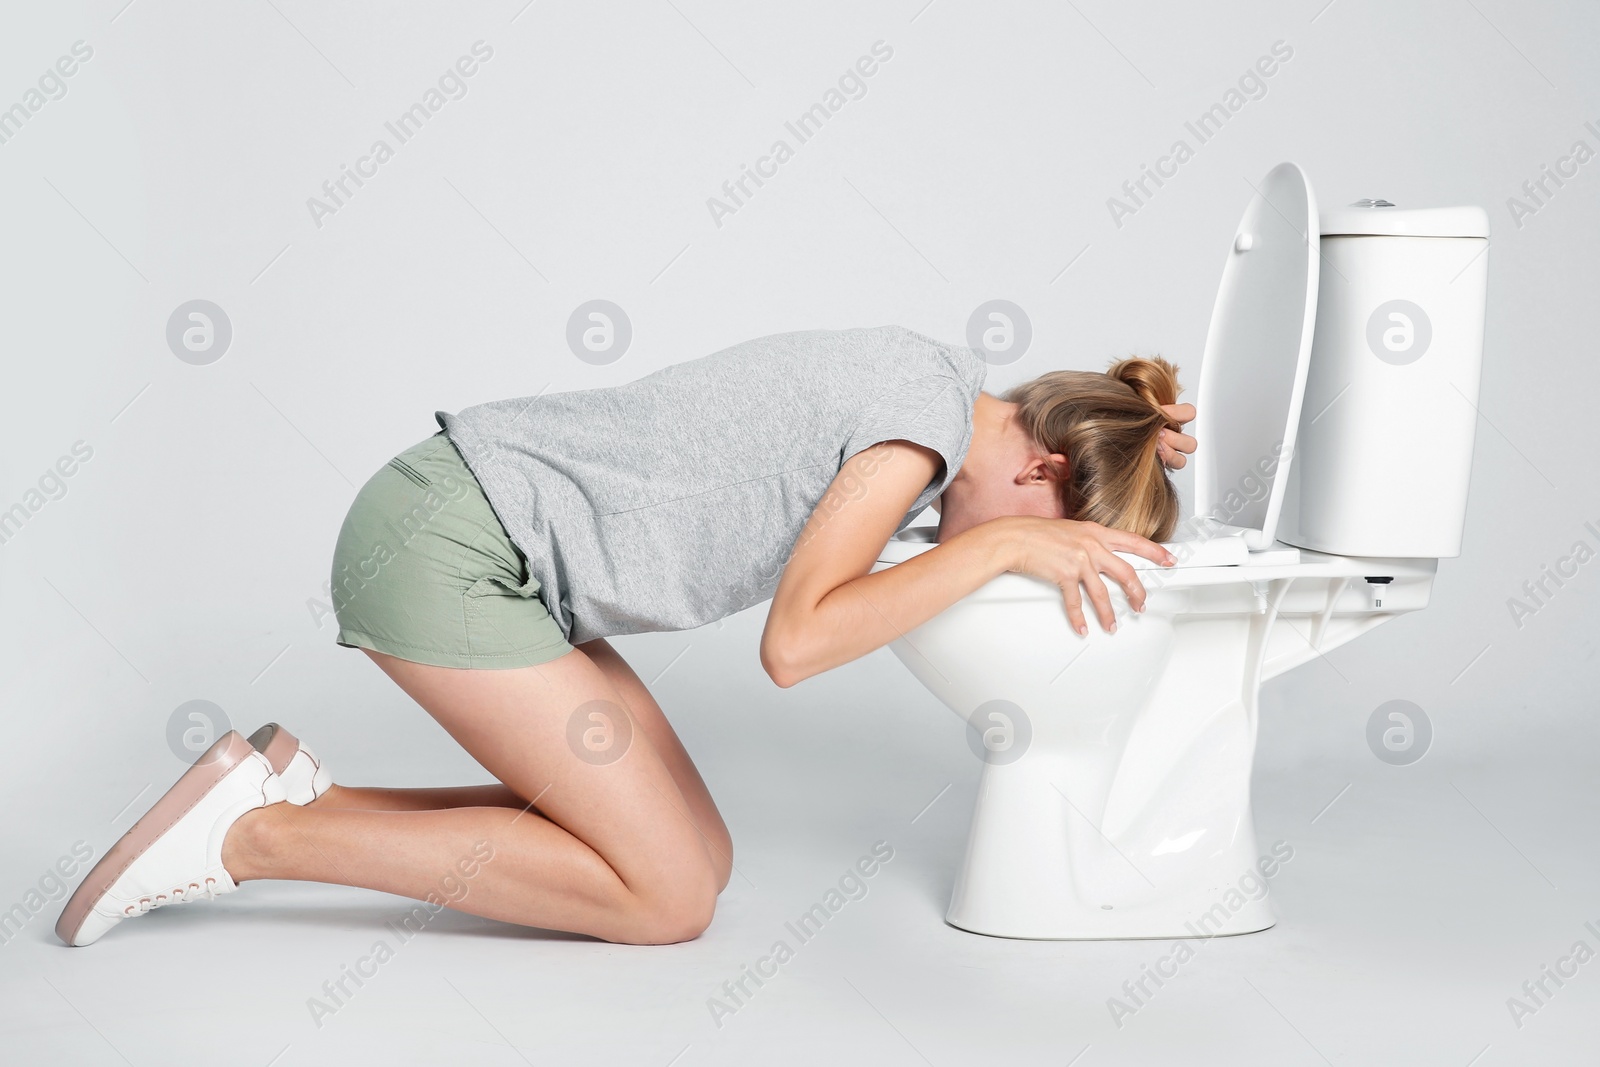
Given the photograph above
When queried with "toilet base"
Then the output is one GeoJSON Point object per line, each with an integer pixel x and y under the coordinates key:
{"type": "Point", "coordinates": [1037, 868]}
{"type": "Point", "coordinates": [1129, 925]}
{"type": "Point", "coordinates": [1173, 935]}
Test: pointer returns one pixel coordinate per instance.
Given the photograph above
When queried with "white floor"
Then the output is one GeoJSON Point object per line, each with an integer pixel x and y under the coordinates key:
{"type": "Point", "coordinates": [1416, 904]}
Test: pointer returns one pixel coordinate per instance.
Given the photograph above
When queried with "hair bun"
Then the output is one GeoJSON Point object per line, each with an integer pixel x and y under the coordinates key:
{"type": "Point", "coordinates": [1154, 379]}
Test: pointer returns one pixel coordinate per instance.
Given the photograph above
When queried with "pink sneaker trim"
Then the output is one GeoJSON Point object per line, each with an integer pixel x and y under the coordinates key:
{"type": "Point", "coordinates": [277, 744]}
{"type": "Point", "coordinates": [227, 753]}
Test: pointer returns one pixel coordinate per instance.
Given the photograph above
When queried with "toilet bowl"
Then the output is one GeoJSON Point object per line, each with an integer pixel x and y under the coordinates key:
{"type": "Point", "coordinates": [1114, 799]}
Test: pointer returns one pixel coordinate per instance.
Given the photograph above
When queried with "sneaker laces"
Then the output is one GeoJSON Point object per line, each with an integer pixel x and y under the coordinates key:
{"type": "Point", "coordinates": [182, 894]}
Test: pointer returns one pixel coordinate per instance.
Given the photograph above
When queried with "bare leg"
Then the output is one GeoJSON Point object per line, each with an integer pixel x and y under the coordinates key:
{"type": "Point", "coordinates": [381, 798]}
{"type": "Point", "coordinates": [647, 714]}
{"type": "Point", "coordinates": [701, 810]}
{"type": "Point", "coordinates": [616, 855]}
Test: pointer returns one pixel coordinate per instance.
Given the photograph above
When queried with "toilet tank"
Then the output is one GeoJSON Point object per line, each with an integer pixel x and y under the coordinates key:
{"type": "Point", "coordinates": [1383, 452]}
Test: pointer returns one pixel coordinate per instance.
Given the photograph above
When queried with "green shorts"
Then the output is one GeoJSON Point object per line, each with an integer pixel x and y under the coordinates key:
{"type": "Point", "coordinates": [425, 572]}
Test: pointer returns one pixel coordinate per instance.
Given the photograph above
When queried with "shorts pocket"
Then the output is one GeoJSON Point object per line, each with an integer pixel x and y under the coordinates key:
{"type": "Point", "coordinates": [506, 621]}
{"type": "Point", "coordinates": [493, 586]}
{"type": "Point", "coordinates": [410, 472]}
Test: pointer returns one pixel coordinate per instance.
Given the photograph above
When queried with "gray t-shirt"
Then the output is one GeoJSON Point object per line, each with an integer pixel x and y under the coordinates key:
{"type": "Point", "coordinates": [675, 500]}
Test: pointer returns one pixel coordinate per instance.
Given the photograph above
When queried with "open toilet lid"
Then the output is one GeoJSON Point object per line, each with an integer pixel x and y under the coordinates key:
{"type": "Point", "coordinates": [1258, 349]}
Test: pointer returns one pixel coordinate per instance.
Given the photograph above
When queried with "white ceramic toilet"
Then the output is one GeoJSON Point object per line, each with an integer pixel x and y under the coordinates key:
{"type": "Point", "coordinates": [1336, 403]}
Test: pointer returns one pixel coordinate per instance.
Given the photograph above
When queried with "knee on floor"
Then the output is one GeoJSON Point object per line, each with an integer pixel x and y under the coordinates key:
{"type": "Point", "coordinates": [722, 860]}
{"type": "Point", "coordinates": [667, 915]}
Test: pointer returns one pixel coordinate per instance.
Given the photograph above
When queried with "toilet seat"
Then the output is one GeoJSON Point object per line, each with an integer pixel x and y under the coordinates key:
{"type": "Point", "coordinates": [1221, 547]}
{"type": "Point", "coordinates": [1256, 360]}
{"type": "Point", "coordinates": [1210, 561]}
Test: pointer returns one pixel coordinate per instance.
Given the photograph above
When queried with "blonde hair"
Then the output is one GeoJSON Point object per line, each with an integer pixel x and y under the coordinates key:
{"type": "Point", "coordinates": [1107, 426]}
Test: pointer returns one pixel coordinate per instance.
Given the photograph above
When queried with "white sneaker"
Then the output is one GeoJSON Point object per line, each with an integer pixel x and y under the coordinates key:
{"type": "Point", "coordinates": [173, 854]}
{"type": "Point", "coordinates": [304, 777]}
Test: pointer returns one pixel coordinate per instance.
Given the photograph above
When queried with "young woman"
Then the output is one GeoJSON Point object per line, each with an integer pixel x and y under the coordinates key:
{"type": "Point", "coordinates": [483, 569]}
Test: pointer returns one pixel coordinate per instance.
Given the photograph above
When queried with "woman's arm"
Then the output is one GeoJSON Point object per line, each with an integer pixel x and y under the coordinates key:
{"type": "Point", "coordinates": [829, 610]}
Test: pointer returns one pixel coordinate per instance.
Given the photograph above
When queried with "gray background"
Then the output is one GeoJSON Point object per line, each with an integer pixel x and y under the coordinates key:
{"type": "Point", "coordinates": [180, 561]}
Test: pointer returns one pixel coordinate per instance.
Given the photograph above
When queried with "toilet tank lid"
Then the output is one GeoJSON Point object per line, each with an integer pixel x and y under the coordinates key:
{"type": "Point", "coordinates": [1371, 218]}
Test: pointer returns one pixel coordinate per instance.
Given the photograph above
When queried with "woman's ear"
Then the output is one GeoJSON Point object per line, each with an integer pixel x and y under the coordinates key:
{"type": "Point", "coordinates": [1044, 469]}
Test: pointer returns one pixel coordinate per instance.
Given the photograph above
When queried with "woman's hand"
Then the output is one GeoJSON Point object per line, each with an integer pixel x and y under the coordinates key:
{"type": "Point", "coordinates": [1070, 554]}
{"type": "Point", "coordinates": [1173, 447]}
